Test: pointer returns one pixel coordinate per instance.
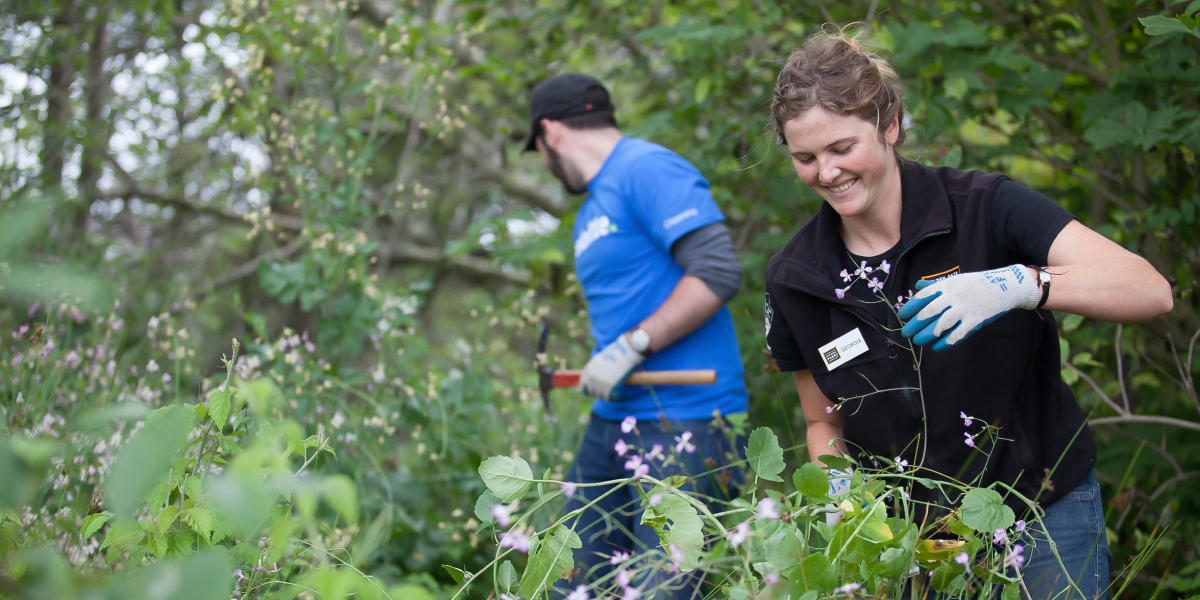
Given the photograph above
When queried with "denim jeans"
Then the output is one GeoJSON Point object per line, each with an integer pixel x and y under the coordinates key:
{"type": "Point", "coordinates": [614, 523]}
{"type": "Point", "coordinates": [1076, 524]}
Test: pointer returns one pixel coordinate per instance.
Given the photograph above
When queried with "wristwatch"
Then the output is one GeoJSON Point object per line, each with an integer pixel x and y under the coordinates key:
{"type": "Point", "coordinates": [640, 340]}
{"type": "Point", "coordinates": [1043, 283]}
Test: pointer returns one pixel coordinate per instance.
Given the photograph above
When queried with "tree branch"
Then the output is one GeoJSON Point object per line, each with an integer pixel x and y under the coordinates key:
{"type": "Point", "coordinates": [1159, 420]}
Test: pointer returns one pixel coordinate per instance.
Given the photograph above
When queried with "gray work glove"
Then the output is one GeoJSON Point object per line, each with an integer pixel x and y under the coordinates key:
{"type": "Point", "coordinates": [609, 368]}
{"type": "Point", "coordinates": [947, 311]}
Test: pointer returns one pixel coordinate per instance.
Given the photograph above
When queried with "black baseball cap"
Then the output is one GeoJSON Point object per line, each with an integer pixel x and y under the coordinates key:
{"type": "Point", "coordinates": [562, 96]}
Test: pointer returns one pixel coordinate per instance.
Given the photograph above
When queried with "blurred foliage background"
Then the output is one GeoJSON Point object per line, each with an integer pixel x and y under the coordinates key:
{"type": "Point", "coordinates": [338, 185]}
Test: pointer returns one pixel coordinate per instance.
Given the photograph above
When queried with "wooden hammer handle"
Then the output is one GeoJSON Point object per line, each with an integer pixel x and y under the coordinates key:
{"type": "Point", "coordinates": [570, 377]}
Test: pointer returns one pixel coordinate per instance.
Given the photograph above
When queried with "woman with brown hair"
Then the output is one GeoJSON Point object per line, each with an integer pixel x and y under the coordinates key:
{"type": "Point", "coordinates": [904, 258]}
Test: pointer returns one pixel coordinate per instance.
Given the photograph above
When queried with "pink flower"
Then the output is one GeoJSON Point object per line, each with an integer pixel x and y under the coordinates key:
{"type": "Point", "coordinates": [636, 465]}
{"type": "Point", "coordinates": [829, 410]}
{"type": "Point", "coordinates": [1015, 557]}
{"type": "Point", "coordinates": [840, 293]}
{"type": "Point", "coordinates": [683, 443]}
{"type": "Point", "coordinates": [516, 540]}
{"type": "Point", "coordinates": [580, 593]}
{"type": "Point", "coordinates": [845, 276]}
{"type": "Point", "coordinates": [849, 588]}
{"type": "Point", "coordinates": [885, 266]}
{"type": "Point", "coordinates": [655, 453]}
{"type": "Point", "coordinates": [1000, 537]}
{"type": "Point", "coordinates": [970, 441]}
{"type": "Point", "coordinates": [569, 488]}
{"type": "Point", "coordinates": [767, 509]}
{"type": "Point", "coordinates": [739, 534]}
{"type": "Point", "coordinates": [962, 558]}
{"type": "Point", "coordinates": [621, 447]}
{"type": "Point", "coordinates": [502, 514]}
{"type": "Point", "coordinates": [618, 557]}
{"type": "Point", "coordinates": [900, 464]}
{"type": "Point", "coordinates": [676, 556]}
{"type": "Point", "coordinates": [1020, 526]}
{"type": "Point", "coordinates": [629, 424]}
{"type": "Point", "coordinates": [623, 578]}
{"type": "Point", "coordinates": [966, 419]}
{"type": "Point", "coordinates": [875, 284]}
{"type": "Point", "coordinates": [863, 270]}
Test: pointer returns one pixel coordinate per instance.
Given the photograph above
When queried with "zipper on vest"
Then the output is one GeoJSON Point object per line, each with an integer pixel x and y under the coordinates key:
{"type": "Point", "coordinates": [913, 401]}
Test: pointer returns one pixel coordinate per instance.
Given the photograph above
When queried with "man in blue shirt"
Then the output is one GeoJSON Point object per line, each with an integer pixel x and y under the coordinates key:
{"type": "Point", "coordinates": [656, 264]}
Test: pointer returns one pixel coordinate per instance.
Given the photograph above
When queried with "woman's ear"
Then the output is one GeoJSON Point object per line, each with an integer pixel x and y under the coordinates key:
{"type": "Point", "coordinates": [893, 131]}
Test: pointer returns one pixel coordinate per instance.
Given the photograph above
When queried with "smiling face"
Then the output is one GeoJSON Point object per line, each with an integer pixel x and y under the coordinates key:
{"type": "Point", "coordinates": [843, 159]}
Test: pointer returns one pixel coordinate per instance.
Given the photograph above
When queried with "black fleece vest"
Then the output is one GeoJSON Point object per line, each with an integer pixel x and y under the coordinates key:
{"type": "Point", "coordinates": [1006, 374]}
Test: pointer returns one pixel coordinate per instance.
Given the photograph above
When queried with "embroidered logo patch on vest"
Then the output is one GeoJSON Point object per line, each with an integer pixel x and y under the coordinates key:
{"type": "Point", "coordinates": [952, 271]}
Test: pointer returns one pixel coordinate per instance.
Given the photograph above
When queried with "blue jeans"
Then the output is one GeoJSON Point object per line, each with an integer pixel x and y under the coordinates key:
{"type": "Point", "coordinates": [613, 524]}
{"type": "Point", "coordinates": [1076, 524]}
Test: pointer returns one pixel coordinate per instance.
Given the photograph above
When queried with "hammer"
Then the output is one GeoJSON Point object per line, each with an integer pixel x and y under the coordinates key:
{"type": "Point", "coordinates": [549, 379]}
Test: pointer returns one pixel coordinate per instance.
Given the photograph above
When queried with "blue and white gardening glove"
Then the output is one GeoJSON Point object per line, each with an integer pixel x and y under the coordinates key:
{"type": "Point", "coordinates": [949, 310]}
{"type": "Point", "coordinates": [608, 368]}
{"type": "Point", "coordinates": [839, 484]}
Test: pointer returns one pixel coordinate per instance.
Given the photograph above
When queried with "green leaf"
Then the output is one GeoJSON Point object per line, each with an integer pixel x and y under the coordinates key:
{"type": "Point", "coordinates": [145, 459]}
{"type": "Point", "coordinates": [1070, 376]}
{"type": "Point", "coordinates": [218, 406]}
{"type": "Point", "coordinates": [948, 578]}
{"type": "Point", "coordinates": [984, 511]}
{"type": "Point", "coordinates": [340, 493]}
{"type": "Point", "coordinates": [764, 454]}
{"type": "Point", "coordinates": [1085, 359]}
{"type": "Point", "coordinates": [953, 156]}
{"type": "Point", "coordinates": [457, 574]}
{"type": "Point", "coordinates": [508, 478]}
{"type": "Point", "coordinates": [810, 480]}
{"type": "Point", "coordinates": [506, 576]}
{"type": "Point", "coordinates": [550, 561]}
{"type": "Point", "coordinates": [1072, 321]}
{"type": "Point", "coordinates": [166, 517]}
{"type": "Point", "coordinates": [121, 534]}
{"type": "Point", "coordinates": [1163, 25]}
{"type": "Point", "coordinates": [814, 574]}
{"type": "Point", "coordinates": [1135, 116]}
{"type": "Point", "coordinates": [204, 575]}
{"type": "Point", "coordinates": [1105, 133]}
{"type": "Point", "coordinates": [834, 461]}
{"type": "Point", "coordinates": [92, 523]}
{"type": "Point", "coordinates": [483, 507]}
{"type": "Point", "coordinates": [243, 501]}
{"type": "Point", "coordinates": [678, 524]}
{"type": "Point", "coordinates": [783, 549]}
{"type": "Point", "coordinates": [702, 88]}
{"type": "Point", "coordinates": [411, 591]}
{"type": "Point", "coordinates": [199, 520]}
{"type": "Point", "coordinates": [956, 88]}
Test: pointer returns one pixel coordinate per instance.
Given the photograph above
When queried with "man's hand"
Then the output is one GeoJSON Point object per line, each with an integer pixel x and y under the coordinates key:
{"type": "Point", "coordinates": [608, 368]}
{"type": "Point", "coordinates": [949, 310]}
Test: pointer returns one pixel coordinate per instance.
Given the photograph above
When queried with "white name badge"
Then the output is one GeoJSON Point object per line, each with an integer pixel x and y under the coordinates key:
{"type": "Point", "coordinates": [843, 349]}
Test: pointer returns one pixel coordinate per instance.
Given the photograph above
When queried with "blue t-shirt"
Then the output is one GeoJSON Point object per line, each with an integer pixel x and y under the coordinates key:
{"type": "Point", "coordinates": [643, 199]}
